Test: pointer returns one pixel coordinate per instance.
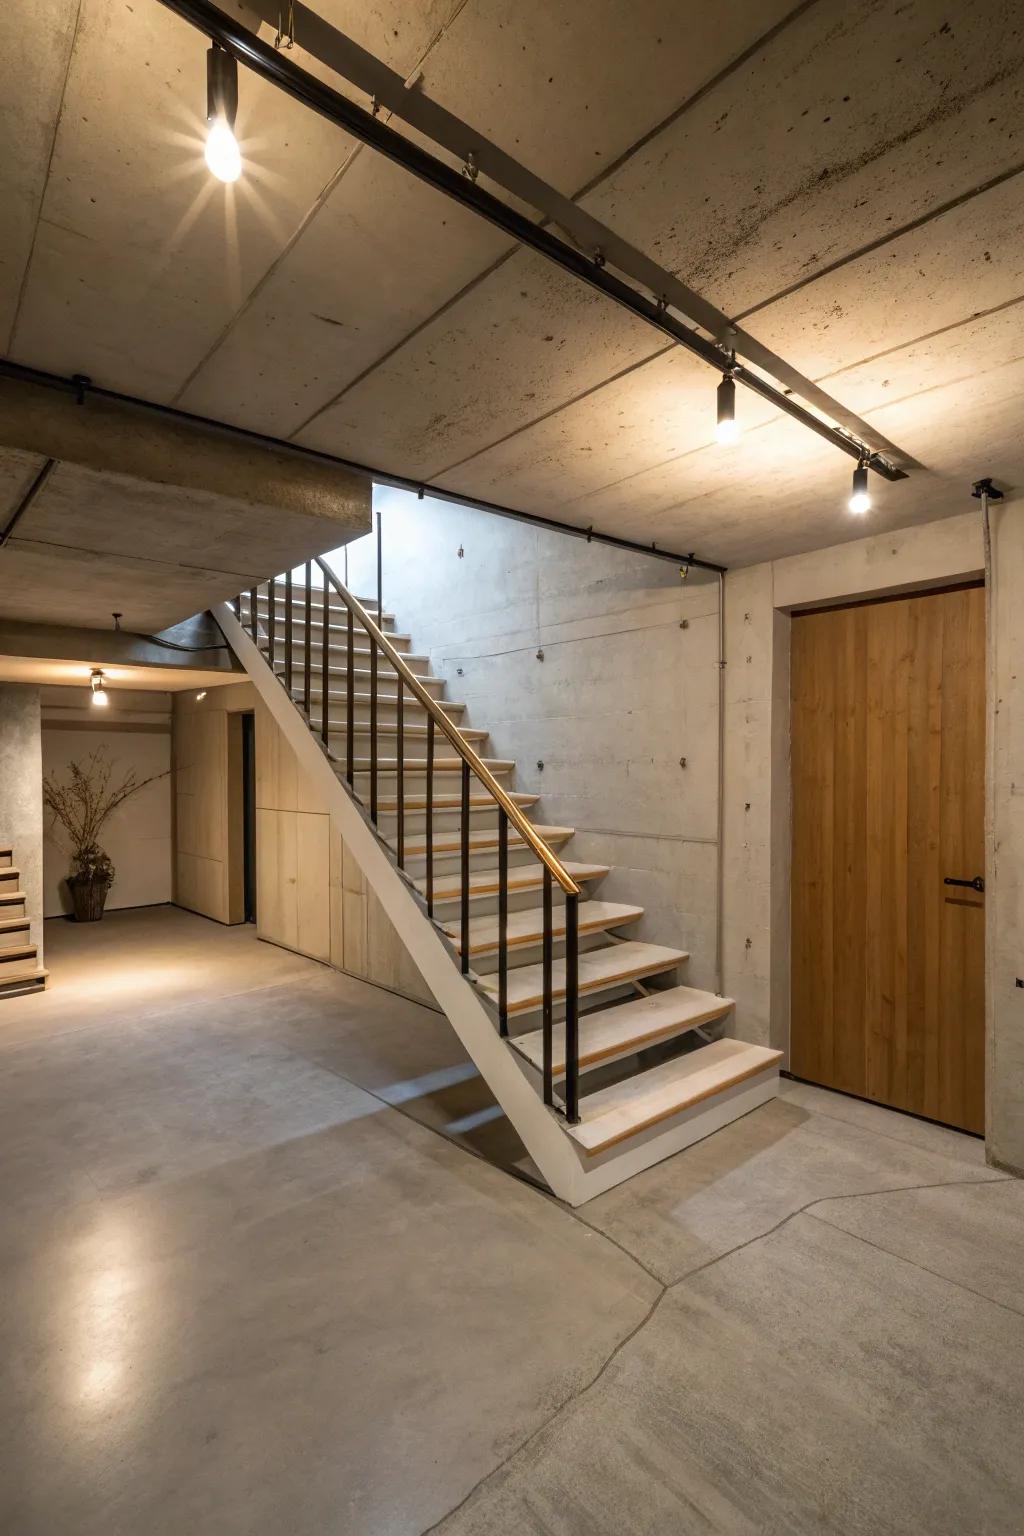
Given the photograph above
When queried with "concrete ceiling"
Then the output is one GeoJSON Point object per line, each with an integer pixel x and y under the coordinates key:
{"type": "Point", "coordinates": [842, 175]}
{"type": "Point", "coordinates": [74, 678]}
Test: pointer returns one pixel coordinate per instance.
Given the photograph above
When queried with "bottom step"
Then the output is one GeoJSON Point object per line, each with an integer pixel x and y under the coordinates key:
{"type": "Point", "coordinates": [21, 981]}
{"type": "Point", "coordinates": [614, 1114]}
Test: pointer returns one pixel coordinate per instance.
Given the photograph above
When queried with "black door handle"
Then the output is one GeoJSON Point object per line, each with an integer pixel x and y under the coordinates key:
{"type": "Point", "coordinates": [977, 884]}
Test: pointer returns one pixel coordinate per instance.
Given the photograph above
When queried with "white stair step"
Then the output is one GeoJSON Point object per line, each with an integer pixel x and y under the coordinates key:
{"type": "Point", "coordinates": [522, 877]}
{"type": "Point", "coordinates": [416, 767]}
{"type": "Point", "coordinates": [599, 970]}
{"type": "Point", "coordinates": [526, 928]}
{"type": "Point", "coordinates": [337, 719]}
{"type": "Point", "coordinates": [615, 1113]}
{"type": "Point", "coordinates": [451, 842]}
{"type": "Point", "coordinates": [387, 685]}
{"type": "Point", "coordinates": [388, 804]}
{"type": "Point", "coordinates": [10, 898]}
{"type": "Point", "coordinates": [626, 1028]}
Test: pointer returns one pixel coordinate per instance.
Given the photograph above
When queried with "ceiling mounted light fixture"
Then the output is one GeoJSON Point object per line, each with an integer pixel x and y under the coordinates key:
{"type": "Point", "coordinates": [99, 691]}
{"type": "Point", "coordinates": [860, 496]}
{"type": "Point", "coordinates": [727, 428]}
{"type": "Point", "coordinates": [222, 153]}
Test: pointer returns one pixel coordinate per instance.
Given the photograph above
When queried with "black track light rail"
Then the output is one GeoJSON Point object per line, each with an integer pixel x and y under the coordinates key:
{"type": "Point", "coordinates": [82, 387]}
{"type": "Point", "coordinates": [273, 66]}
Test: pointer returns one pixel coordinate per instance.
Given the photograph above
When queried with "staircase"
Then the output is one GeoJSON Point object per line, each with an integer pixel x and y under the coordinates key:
{"type": "Point", "coordinates": [597, 1052]}
{"type": "Point", "coordinates": [20, 971]}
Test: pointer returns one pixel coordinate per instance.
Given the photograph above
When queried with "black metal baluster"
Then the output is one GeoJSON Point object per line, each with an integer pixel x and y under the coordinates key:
{"type": "Point", "coordinates": [350, 703]}
{"type": "Point", "coordinates": [380, 582]}
{"type": "Point", "coordinates": [430, 815]}
{"type": "Point", "coordinates": [307, 663]}
{"type": "Point", "coordinates": [572, 1041]}
{"type": "Point", "coordinates": [236, 606]}
{"type": "Point", "coordinates": [271, 617]}
{"type": "Point", "coordinates": [288, 632]}
{"type": "Point", "coordinates": [401, 778]}
{"type": "Point", "coordinates": [373, 730]}
{"type": "Point", "coordinates": [254, 620]}
{"type": "Point", "coordinates": [502, 922]}
{"type": "Point", "coordinates": [548, 1010]}
{"type": "Point", "coordinates": [464, 864]}
{"type": "Point", "coordinates": [325, 668]}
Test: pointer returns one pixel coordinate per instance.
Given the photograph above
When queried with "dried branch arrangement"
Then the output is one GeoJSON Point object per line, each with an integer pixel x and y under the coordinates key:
{"type": "Point", "coordinates": [84, 804]}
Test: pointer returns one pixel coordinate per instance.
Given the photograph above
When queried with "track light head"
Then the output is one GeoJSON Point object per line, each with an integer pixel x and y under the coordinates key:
{"type": "Point", "coordinates": [222, 153]}
{"type": "Point", "coordinates": [860, 496]}
{"type": "Point", "coordinates": [727, 428]}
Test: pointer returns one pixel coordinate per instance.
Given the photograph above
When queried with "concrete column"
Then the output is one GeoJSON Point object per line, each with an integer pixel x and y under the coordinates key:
{"type": "Point", "coordinates": [21, 794]}
{"type": "Point", "coordinates": [1004, 898]}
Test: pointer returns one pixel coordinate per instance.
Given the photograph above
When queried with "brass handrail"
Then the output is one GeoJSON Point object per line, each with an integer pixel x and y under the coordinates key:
{"type": "Point", "coordinates": [525, 828]}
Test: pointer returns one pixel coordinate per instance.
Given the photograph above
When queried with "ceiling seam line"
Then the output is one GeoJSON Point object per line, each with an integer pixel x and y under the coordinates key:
{"type": "Point", "coordinates": [176, 565]}
{"type": "Point", "coordinates": [883, 240]}
{"type": "Point", "coordinates": [319, 202]}
{"type": "Point", "coordinates": [678, 458]}
{"type": "Point", "coordinates": [23, 286]}
{"type": "Point", "coordinates": [588, 187]}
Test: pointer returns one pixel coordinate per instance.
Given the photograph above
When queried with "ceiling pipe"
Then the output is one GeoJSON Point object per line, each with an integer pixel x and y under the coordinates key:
{"type": "Point", "coordinates": [462, 187]}
{"type": "Point", "coordinates": [83, 388]}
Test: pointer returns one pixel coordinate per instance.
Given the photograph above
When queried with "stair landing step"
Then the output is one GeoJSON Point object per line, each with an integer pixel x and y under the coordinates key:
{"type": "Point", "coordinates": [521, 877]}
{"type": "Point", "coordinates": [526, 928]}
{"type": "Point", "coordinates": [451, 842]}
{"type": "Point", "coordinates": [614, 1114]}
{"type": "Point", "coordinates": [599, 969]}
{"type": "Point", "coordinates": [625, 1028]}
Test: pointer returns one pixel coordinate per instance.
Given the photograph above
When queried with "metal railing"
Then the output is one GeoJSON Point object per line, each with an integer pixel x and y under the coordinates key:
{"type": "Point", "coordinates": [339, 603]}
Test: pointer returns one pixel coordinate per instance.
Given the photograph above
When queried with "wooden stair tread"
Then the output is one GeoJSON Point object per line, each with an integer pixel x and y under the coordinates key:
{"type": "Point", "coordinates": [417, 732]}
{"type": "Point", "coordinates": [521, 877]}
{"type": "Point", "coordinates": [17, 978]}
{"type": "Point", "coordinates": [526, 927]}
{"type": "Point", "coordinates": [388, 804]}
{"type": "Point", "coordinates": [16, 952]}
{"type": "Point", "coordinates": [598, 970]}
{"type": "Point", "coordinates": [451, 842]}
{"type": "Point", "coordinates": [627, 1027]}
{"type": "Point", "coordinates": [9, 871]}
{"type": "Point", "coordinates": [615, 1113]}
{"type": "Point", "coordinates": [10, 898]}
{"type": "Point", "coordinates": [417, 766]}
{"type": "Point", "coordinates": [338, 719]}
{"type": "Point", "coordinates": [12, 924]}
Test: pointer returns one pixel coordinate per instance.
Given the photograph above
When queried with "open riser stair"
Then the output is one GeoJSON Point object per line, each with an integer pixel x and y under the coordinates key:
{"type": "Point", "coordinates": [556, 990]}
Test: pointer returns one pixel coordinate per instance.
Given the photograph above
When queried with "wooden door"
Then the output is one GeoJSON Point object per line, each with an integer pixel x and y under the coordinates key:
{"type": "Point", "coordinates": [888, 751]}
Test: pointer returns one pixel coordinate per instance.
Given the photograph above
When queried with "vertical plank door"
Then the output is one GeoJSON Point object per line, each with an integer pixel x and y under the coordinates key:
{"type": "Point", "coordinates": [888, 759]}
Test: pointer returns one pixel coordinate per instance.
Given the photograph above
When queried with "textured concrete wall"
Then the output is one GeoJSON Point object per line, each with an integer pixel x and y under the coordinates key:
{"type": "Point", "coordinates": [21, 795]}
{"type": "Point", "coordinates": [1004, 895]}
{"type": "Point", "coordinates": [622, 694]}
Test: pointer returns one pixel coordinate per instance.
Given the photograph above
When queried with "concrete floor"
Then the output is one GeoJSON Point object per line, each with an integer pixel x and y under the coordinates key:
{"type": "Point", "coordinates": [243, 1292]}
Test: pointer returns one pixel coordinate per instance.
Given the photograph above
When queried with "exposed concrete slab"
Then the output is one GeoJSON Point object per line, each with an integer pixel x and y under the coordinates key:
{"type": "Point", "coordinates": [806, 1383]}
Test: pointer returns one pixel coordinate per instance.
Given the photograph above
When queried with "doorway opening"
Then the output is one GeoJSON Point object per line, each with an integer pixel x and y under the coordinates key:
{"type": "Point", "coordinates": [888, 850]}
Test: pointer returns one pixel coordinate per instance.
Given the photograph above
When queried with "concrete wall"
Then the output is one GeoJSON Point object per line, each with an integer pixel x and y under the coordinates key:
{"type": "Point", "coordinates": [207, 770]}
{"type": "Point", "coordinates": [21, 795]}
{"type": "Point", "coordinates": [135, 733]}
{"type": "Point", "coordinates": [1004, 887]}
{"type": "Point", "coordinates": [623, 692]}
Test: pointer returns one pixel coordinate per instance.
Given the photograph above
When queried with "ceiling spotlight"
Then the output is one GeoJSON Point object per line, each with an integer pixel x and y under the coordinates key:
{"type": "Point", "coordinates": [727, 428]}
{"type": "Point", "coordinates": [222, 153]}
{"type": "Point", "coordinates": [860, 496]}
{"type": "Point", "coordinates": [200, 695]}
{"type": "Point", "coordinates": [99, 691]}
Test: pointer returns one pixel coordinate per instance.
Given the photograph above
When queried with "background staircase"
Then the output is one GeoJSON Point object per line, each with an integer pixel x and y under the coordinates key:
{"type": "Point", "coordinates": [20, 970]}
{"type": "Point", "coordinates": [648, 1059]}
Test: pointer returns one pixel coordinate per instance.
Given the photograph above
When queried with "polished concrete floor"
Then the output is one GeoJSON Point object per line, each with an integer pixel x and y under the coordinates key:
{"type": "Point", "coordinates": [246, 1288]}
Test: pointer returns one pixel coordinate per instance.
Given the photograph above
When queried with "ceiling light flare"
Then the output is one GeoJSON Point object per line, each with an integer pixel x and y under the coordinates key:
{"type": "Point", "coordinates": [99, 691]}
{"type": "Point", "coordinates": [223, 155]}
{"type": "Point", "coordinates": [727, 428]}
{"type": "Point", "coordinates": [860, 496]}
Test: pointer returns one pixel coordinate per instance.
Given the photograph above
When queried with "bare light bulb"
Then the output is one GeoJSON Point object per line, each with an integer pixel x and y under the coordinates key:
{"type": "Point", "coordinates": [223, 155]}
{"type": "Point", "coordinates": [860, 498]}
{"type": "Point", "coordinates": [99, 692]}
{"type": "Point", "coordinates": [727, 428]}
